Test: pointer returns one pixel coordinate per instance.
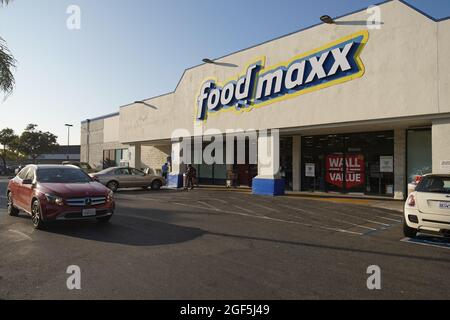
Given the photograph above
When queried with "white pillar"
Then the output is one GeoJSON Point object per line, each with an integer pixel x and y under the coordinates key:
{"type": "Point", "coordinates": [297, 163]}
{"type": "Point", "coordinates": [268, 181]}
{"type": "Point", "coordinates": [399, 164]}
{"type": "Point", "coordinates": [134, 153]}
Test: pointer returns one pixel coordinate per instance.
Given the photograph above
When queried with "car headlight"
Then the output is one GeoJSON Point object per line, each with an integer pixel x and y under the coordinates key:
{"type": "Point", "coordinates": [54, 199]}
{"type": "Point", "coordinates": [110, 197]}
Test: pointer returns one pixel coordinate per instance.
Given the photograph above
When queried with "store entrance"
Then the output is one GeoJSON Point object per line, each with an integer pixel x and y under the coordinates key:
{"type": "Point", "coordinates": [360, 163]}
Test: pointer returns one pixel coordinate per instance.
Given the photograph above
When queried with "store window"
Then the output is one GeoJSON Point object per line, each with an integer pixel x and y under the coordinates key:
{"type": "Point", "coordinates": [114, 157]}
{"type": "Point", "coordinates": [361, 163]}
{"type": "Point", "coordinates": [286, 161]}
{"type": "Point", "coordinates": [419, 155]}
{"type": "Point", "coordinates": [217, 173]}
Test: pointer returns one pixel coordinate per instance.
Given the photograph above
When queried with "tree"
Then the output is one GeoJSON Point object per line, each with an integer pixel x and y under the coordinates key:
{"type": "Point", "coordinates": [8, 139]}
{"type": "Point", "coordinates": [33, 142]}
{"type": "Point", "coordinates": [7, 63]}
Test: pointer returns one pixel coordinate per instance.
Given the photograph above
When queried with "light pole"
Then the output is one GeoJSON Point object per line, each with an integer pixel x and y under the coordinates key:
{"type": "Point", "coordinates": [68, 138]}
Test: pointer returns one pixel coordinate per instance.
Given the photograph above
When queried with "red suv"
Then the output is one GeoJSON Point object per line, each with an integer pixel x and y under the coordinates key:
{"type": "Point", "coordinates": [57, 192]}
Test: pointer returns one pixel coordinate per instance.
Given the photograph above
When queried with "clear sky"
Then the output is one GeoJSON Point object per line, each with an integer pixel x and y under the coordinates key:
{"type": "Point", "coordinates": [135, 49]}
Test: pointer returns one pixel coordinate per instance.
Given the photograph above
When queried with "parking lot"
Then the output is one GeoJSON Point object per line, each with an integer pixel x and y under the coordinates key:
{"type": "Point", "coordinates": [214, 244]}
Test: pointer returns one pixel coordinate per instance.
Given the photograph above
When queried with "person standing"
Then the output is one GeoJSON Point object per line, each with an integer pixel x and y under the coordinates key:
{"type": "Point", "coordinates": [165, 170]}
{"type": "Point", "coordinates": [190, 176]}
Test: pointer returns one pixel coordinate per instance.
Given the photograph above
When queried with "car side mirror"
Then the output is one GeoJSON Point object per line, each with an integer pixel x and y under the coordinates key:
{"type": "Point", "coordinates": [27, 182]}
{"type": "Point", "coordinates": [95, 179]}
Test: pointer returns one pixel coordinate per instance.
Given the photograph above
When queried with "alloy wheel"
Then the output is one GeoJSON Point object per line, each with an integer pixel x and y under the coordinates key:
{"type": "Point", "coordinates": [36, 214]}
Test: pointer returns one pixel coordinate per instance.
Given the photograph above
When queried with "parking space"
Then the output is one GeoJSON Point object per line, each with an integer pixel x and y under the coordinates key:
{"type": "Point", "coordinates": [209, 244]}
{"type": "Point", "coordinates": [323, 216]}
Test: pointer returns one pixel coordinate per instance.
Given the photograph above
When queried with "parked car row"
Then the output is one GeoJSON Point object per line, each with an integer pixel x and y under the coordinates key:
{"type": "Point", "coordinates": [66, 192]}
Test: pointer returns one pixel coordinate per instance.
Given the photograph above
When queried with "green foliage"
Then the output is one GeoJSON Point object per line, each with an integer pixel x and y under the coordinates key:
{"type": "Point", "coordinates": [33, 142]}
{"type": "Point", "coordinates": [9, 140]}
{"type": "Point", "coordinates": [7, 63]}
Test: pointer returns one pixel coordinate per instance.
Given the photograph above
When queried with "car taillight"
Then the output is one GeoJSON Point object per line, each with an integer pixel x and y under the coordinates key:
{"type": "Point", "coordinates": [418, 179]}
{"type": "Point", "coordinates": [411, 202]}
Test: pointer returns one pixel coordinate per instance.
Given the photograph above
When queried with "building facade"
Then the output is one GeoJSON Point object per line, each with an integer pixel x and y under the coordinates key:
{"type": "Point", "coordinates": [61, 154]}
{"type": "Point", "coordinates": [342, 107]}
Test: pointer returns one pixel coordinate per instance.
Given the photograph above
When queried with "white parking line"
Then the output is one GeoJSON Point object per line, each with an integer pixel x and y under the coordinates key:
{"type": "Point", "coordinates": [389, 219]}
{"type": "Point", "coordinates": [324, 227]}
{"type": "Point", "coordinates": [335, 220]}
{"type": "Point", "coordinates": [21, 234]}
{"type": "Point", "coordinates": [357, 217]}
{"type": "Point", "coordinates": [219, 200]}
{"type": "Point", "coordinates": [386, 212]}
{"type": "Point", "coordinates": [243, 209]}
{"type": "Point", "coordinates": [209, 205]}
{"type": "Point", "coordinates": [265, 207]}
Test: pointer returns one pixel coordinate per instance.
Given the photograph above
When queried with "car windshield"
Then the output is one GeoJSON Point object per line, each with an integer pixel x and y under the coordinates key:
{"type": "Point", "coordinates": [62, 175]}
{"type": "Point", "coordinates": [434, 184]}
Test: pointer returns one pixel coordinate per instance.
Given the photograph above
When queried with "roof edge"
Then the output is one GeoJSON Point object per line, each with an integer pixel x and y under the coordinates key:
{"type": "Point", "coordinates": [106, 116]}
{"type": "Point", "coordinates": [423, 12]}
{"type": "Point", "coordinates": [289, 34]}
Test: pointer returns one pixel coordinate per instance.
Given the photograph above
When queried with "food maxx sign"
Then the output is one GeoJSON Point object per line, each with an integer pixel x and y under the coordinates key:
{"type": "Point", "coordinates": [331, 64]}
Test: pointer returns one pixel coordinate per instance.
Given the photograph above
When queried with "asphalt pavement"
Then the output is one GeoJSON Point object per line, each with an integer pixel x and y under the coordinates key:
{"type": "Point", "coordinates": [207, 244]}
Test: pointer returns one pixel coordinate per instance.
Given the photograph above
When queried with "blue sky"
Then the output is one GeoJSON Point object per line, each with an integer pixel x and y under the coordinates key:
{"type": "Point", "coordinates": [135, 49]}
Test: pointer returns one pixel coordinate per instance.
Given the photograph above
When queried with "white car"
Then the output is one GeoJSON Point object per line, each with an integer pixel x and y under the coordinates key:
{"type": "Point", "coordinates": [427, 209]}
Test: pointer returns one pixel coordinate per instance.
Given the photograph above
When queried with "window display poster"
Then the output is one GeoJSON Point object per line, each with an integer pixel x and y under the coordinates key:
{"type": "Point", "coordinates": [386, 164]}
{"type": "Point", "coordinates": [310, 170]}
{"type": "Point", "coordinates": [354, 170]}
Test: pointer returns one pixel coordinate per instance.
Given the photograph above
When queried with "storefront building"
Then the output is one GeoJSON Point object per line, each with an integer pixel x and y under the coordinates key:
{"type": "Point", "coordinates": [356, 109]}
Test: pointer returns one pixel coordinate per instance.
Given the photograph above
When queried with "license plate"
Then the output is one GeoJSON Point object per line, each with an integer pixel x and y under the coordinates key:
{"type": "Point", "coordinates": [89, 213]}
{"type": "Point", "coordinates": [444, 205]}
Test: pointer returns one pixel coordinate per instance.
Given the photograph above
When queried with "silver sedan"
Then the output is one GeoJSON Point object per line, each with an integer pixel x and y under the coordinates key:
{"type": "Point", "coordinates": [122, 177]}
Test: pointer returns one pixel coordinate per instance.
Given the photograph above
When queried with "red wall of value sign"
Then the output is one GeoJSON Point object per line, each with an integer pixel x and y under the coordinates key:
{"type": "Point", "coordinates": [355, 170]}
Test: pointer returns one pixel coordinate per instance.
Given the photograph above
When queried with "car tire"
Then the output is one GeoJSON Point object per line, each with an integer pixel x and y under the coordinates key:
{"type": "Point", "coordinates": [156, 185]}
{"type": "Point", "coordinates": [12, 210]}
{"type": "Point", "coordinates": [408, 231]}
{"type": "Point", "coordinates": [104, 220]}
{"type": "Point", "coordinates": [113, 186]}
{"type": "Point", "coordinates": [36, 215]}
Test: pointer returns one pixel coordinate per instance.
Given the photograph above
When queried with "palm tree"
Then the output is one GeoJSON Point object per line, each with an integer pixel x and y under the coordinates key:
{"type": "Point", "coordinates": [7, 63]}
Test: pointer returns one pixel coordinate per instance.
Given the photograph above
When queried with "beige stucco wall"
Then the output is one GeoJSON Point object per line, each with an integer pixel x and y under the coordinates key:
{"type": "Point", "coordinates": [440, 144]}
{"type": "Point", "coordinates": [444, 65]}
{"type": "Point", "coordinates": [98, 132]}
{"type": "Point", "coordinates": [110, 129]}
{"type": "Point", "coordinates": [154, 157]}
{"type": "Point", "coordinates": [400, 80]}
